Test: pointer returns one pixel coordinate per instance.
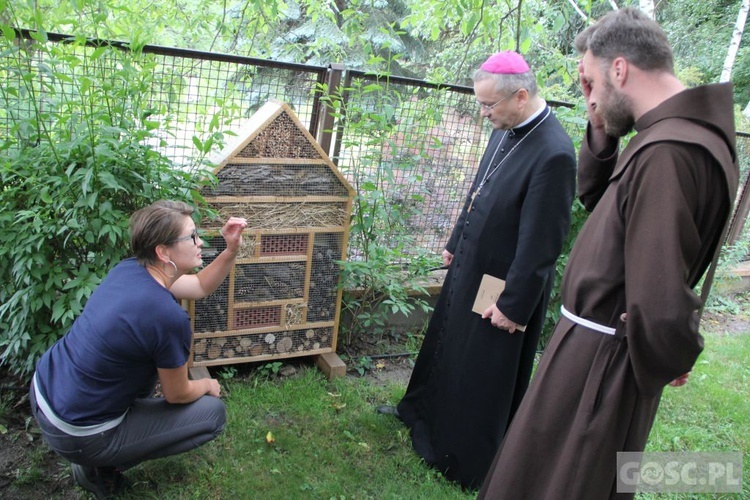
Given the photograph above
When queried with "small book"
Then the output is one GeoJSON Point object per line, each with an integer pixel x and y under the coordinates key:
{"type": "Point", "coordinates": [489, 290]}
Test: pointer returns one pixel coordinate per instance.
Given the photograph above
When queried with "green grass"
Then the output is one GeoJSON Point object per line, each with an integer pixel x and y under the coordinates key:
{"type": "Point", "coordinates": [712, 412]}
{"type": "Point", "coordinates": [329, 442]}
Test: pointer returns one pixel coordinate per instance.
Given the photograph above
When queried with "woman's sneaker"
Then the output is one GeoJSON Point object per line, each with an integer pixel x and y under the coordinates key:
{"type": "Point", "coordinates": [103, 482]}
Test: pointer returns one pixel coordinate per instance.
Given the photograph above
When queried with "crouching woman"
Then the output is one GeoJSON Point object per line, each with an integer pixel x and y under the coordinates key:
{"type": "Point", "coordinates": [91, 392]}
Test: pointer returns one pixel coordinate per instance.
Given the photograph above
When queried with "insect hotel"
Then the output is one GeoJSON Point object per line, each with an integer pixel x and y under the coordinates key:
{"type": "Point", "coordinates": [282, 298]}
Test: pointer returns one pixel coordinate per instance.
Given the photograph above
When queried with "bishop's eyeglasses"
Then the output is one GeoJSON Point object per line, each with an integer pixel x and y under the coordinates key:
{"type": "Point", "coordinates": [489, 107]}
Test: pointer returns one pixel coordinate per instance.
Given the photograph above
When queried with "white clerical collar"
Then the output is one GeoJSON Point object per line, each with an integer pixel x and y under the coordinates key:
{"type": "Point", "coordinates": [533, 116]}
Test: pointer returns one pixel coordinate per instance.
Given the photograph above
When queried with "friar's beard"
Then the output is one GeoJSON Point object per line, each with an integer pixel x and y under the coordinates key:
{"type": "Point", "coordinates": [616, 111]}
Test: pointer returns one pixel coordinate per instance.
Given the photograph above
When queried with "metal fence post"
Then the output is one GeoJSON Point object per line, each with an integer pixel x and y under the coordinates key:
{"type": "Point", "coordinates": [740, 213]}
{"type": "Point", "coordinates": [325, 135]}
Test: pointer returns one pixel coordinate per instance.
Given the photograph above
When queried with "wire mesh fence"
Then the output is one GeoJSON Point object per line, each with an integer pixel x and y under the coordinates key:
{"type": "Point", "coordinates": [417, 143]}
{"type": "Point", "coordinates": [185, 94]}
{"type": "Point", "coordinates": [422, 158]}
{"type": "Point", "coordinates": [426, 151]}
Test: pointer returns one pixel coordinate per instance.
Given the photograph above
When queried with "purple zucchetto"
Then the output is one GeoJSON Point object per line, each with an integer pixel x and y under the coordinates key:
{"type": "Point", "coordinates": [506, 63]}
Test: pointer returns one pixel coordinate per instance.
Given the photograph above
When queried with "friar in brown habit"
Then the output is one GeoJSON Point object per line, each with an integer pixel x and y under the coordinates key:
{"type": "Point", "coordinates": [630, 315]}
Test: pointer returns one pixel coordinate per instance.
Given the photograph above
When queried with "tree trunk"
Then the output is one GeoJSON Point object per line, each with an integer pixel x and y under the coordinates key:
{"type": "Point", "coordinates": [647, 7]}
{"type": "Point", "coordinates": [734, 44]}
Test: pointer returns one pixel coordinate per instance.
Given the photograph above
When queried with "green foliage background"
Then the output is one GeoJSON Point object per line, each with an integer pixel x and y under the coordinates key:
{"type": "Point", "coordinates": [427, 39]}
{"type": "Point", "coordinates": [85, 155]}
{"type": "Point", "coordinates": [77, 161]}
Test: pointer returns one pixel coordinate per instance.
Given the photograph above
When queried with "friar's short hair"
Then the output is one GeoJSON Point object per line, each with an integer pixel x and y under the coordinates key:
{"type": "Point", "coordinates": [631, 34]}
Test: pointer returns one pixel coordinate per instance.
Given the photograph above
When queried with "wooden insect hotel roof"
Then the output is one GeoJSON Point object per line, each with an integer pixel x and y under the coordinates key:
{"type": "Point", "coordinates": [281, 298]}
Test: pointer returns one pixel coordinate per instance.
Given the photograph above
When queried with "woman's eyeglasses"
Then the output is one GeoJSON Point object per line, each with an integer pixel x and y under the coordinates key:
{"type": "Point", "coordinates": [192, 236]}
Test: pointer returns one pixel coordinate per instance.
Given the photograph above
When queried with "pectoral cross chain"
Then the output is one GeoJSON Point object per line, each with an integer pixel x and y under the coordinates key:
{"type": "Point", "coordinates": [491, 168]}
{"type": "Point", "coordinates": [473, 197]}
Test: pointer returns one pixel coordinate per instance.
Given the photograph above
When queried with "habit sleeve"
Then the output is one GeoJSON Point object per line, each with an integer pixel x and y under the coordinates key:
{"type": "Point", "coordinates": [594, 171]}
{"type": "Point", "coordinates": [662, 243]}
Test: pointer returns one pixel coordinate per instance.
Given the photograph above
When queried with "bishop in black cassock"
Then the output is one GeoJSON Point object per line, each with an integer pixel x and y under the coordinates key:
{"type": "Point", "coordinates": [473, 369]}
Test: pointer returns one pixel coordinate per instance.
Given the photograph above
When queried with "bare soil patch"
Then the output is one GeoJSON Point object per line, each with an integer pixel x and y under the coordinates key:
{"type": "Point", "coordinates": [721, 324]}
{"type": "Point", "coordinates": [28, 469]}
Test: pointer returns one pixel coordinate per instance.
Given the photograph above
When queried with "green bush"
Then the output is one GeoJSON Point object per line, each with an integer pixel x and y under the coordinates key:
{"type": "Point", "coordinates": [78, 158]}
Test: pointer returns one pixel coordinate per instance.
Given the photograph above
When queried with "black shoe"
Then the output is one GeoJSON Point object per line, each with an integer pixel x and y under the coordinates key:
{"type": "Point", "coordinates": [388, 410]}
{"type": "Point", "coordinates": [103, 482]}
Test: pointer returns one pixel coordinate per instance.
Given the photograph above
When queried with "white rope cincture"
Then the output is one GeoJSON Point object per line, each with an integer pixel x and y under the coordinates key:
{"type": "Point", "coordinates": [587, 323]}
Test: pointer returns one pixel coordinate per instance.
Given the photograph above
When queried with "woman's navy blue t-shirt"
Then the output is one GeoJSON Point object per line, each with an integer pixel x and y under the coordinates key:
{"type": "Point", "coordinates": [130, 326]}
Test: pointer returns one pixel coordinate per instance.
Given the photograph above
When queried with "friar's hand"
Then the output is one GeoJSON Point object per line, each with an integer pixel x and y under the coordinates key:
{"type": "Point", "coordinates": [680, 381]}
{"type": "Point", "coordinates": [596, 121]}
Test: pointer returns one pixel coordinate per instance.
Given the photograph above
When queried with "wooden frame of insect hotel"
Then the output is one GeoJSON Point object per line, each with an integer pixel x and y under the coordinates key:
{"type": "Point", "coordinates": [281, 298]}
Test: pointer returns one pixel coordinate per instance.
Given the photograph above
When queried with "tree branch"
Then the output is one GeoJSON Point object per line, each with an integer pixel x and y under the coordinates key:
{"type": "Point", "coordinates": [578, 9]}
{"type": "Point", "coordinates": [647, 7]}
